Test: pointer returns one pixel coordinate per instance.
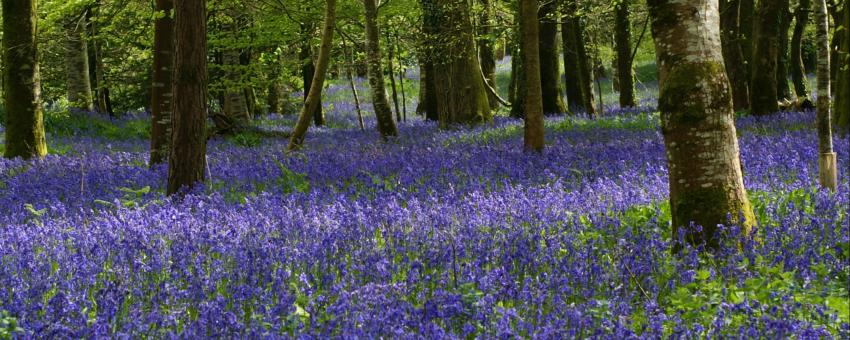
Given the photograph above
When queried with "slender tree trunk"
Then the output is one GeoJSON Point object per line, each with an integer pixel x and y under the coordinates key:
{"type": "Point", "coordinates": [572, 78]}
{"type": "Point", "coordinates": [401, 75]}
{"type": "Point", "coordinates": [391, 73]}
{"type": "Point", "coordinates": [550, 70]}
{"type": "Point", "coordinates": [733, 56]}
{"type": "Point", "coordinates": [746, 15]}
{"type": "Point", "coordinates": [97, 70]}
{"type": "Point", "coordinates": [22, 85]}
{"type": "Point", "coordinates": [383, 112]}
{"type": "Point", "coordinates": [461, 95]}
{"type": "Point", "coordinates": [314, 95]}
{"type": "Point", "coordinates": [835, 10]}
{"type": "Point", "coordinates": [697, 120]}
{"type": "Point", "coordinates": [77, 63]}
{"type": "Point", "coordinates": [308, 72]}
{"type": "Point", "coordinates": [533, 104]}
{"type": "Point", "coordinates": [428, 55]}
{"type": "Point", "coordinates": [519, 86]}
{"type": "Point", "coordinates": [582, 62]}
{"type": "Point", "coordinates": [827, 159]}
{"type": "Point", "coordinates": [349, 54]}
{"type": "Point", "coordinates": [235, 103]}
{"type": "Point", "coordinates": [486, 53]}
{"type": "Point", "coordinates": [161, 86]}
{"type": "Point", "coordinates": [623, 36]}
{"type": "Point", "coordinates": [842, 100]}
{"type": "Point", "coordinates": [783, 88]}
{"type": "Point", "coordinates": [189, 138]}
{"type": "Point", "coordinates": [798, 73]}
{"type": "Point", "coordinates": [763, 94]}
{"type": "Point", "coordinates": [276, 91]}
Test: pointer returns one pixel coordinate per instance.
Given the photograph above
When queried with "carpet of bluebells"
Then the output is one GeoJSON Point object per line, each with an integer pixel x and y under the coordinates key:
{"type": "Point", "coordinates": [438, 234]}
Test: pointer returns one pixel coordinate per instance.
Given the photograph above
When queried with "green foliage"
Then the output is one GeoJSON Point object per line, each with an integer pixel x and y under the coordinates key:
{"type": "Point", "coordinates": [291, 181]}
{"type": "Point", "coordinates": [248, 139]}
{"type": "Point", "coordinates": [8, 326]}
{"type": "Point", "coordinates": [132, 198]}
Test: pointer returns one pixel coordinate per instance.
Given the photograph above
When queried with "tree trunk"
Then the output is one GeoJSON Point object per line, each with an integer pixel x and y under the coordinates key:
{"type": "Point", "coordinates": [276, 92]}
{"type": "Point", "coordinates": [623, 36]}
{"type": "Point", "coordinates": [575, 100]}
{"type": "Point", "coordinates": [428, 95]}
{"type": "Point", "coordinates": [842, 100]}
{"type": "Point", "coordinates": [235, 103]}
{"type": "Point", "coordinates": [308, 72]}
{"type": "Point", "coordinates": [798, 73]}
{"type": "Point", "coordinates": [747, 10]}
{"type": "Point", "coordinates": [733, 56]}
{"type": "Point", "coordinates": [518, 84]}
{"type": "Point", "coordinates": [827, 159]}
{"type": "Point", "coordinates": [161, 86]}
{"type": "Point", "coordinates": [486, 53]}
{"type": "Point", "coordinates": [763, 94]}
{"type": "Point", "coordinates": [533, 138]}
{"type": "Point", "coordinates": [77, 63]}
{"type": "Point", "coordinates": [380, 103]}
{"type": "Point", "coordinates": [391, 71]}
{"type": "Point", "coordinates": [783, 88]}
{"type": "Point", "coordinates": [550, 70]}
{"type": "Point", "coordinates": [584, 77]}
{"type": "Point", "coordinates": [314, 95]}
{"type": "Point", "coordinates": [460, 92]}
{"type": "Point", "coordinates": [22, 95]}
{"type": "Point", "coordinates": [697, 121]}
{"type": "Point", "coordinates": [189, 138]}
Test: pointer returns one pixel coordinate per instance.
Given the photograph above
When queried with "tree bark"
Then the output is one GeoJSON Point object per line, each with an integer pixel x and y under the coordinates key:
{"type": "Point", "coordinates": [623, 36]}
{"type": "Point", "coordinates": [783, 88]}
{"type": "Point", "coordinates": [842, 100]}
{"type": "Point", "coordinates": [575, 100]}
{"type": "Point", "coordinates": [308, 72]}
{"type": "Point", "coordinates": [533, 105]}
{"type": "Point", "coordinates": [763, 94]}
{"type": "Point", "coordinates": [584, 72]}
{"type": "Point", "coordinates": [380, 103]}
{"type": "Point", "coordinates": [189, 139]}
{"type": "Point", "coordinates": [235, 103]}
{"type": "Point", "coordinates": [460, 92]}
{"type": "Point", "coordinates": [697, 121]}
{"type": "Point", "coordinates": [77, 65]}
{"type": "Point", "coordinates": [827, 159]}
{"type": "Point", "coordinates": [22, 96]}
{"type": "Point", "coordinates": [161, 86]}
{"type": "Point", "coordinates": [798, 73]}
{"type": "Point", "coordinates": [314, 95]}
{"type": "Point", "coordinates": [428, 88]}
{"type": "Point", "coordinates": [518, 84]}
{"type": "Point", "coordinates": [550, 70]}
{"type": "Point", "coordinates": [747, 11]}
{"type": "Point", "coordinates": [733, 56]}
{"type": "Point", "coordinates": [391, 71]}
{"type": "Point", "coordinates": [486, 53]}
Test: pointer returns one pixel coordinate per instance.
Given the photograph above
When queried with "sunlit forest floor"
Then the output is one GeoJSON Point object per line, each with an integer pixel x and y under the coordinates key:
{"type": "Point", "coordinates": [438, 234]}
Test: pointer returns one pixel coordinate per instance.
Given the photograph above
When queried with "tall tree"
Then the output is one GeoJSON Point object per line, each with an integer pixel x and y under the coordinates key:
{"type": "Point", "coordinates": [486, 52]}
{"type": "Point", "coordinates": [380, 103]}
{"type": "Point", "coordinates": [697, 120]}
{"type": "Point", "coordinates": [313, 97]}
{"type": "Point", "coordinates": [575, 100]}
{"type": "Point", "coordinates": [162, 83]}
{"type": "Point", "coordinates": [308, 72]}
{"type": "Point", "coordinates": [533, 103]}
{"type": "Point", "coordinates": [427, 86]}
{"type": "Point", "coordinates": [623, 39]}
{"type": "Point", "coordinates": [21, 83]}
{"type": "Point", "coordinates": [460, 92]}
{"type": "Point", "coordinates": [575, 55]}
{"type": "Point", "coordinates": [188, 132]}
{"type": "Point", "coordinates": [77, 64]}
{"type": "Point", "coordinates": [842, 100]}
{"type": "Point", "coordinates": [797, 68]}
{"type": "Point", "coordinates": [550, 70]}
{"type": "Point", "coordinates": [733, 55]}
{"type": "Point", "coordinates": [827, 160]}
{"type": "Point", "coordinates": [763, 94]}
{"type": "Point", "coordinates": [783, 88]}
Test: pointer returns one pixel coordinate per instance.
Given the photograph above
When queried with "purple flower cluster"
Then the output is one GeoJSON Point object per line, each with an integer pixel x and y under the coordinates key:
{"type": "Point", "coordinates": [438, 234]}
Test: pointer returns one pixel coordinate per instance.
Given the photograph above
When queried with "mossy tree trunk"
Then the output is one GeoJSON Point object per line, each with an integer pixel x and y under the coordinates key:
{"type": "Point", "coordinates": [733, 55]}
{"type": "Point", "coordinates": [161, 86]}
{"type": "Point", "coordinates": [313, 97]}
{"type": "Point", "coordinates": [797, 68]}
{"type": "Point", "coordinates": [189, 138]}
{"type": "Point", "coordinates": [783, 88]}
{"type": "Point", "coordinates": [380, 103]}
{"type": "Point", "coordinates": [533, 105]}
{"type": "Point", "coordinates": [763, 94]}
{"type": "Point", "coordinates": [549, 64]}
{"type": "Point", "coordinates": [623, 39]}
{"type": "Point", "coordinates": [697, 120]}
{"type": "Point", "coordinates": [827, 159]}
{"type": "Point", "coordinates": [21, 82]}
{"type": "Point", "coordinates": [77, 65]}
{"type": "Point", "coordinates": [486, 53]}
{"type": "Point", "coordinates": [460, 92]}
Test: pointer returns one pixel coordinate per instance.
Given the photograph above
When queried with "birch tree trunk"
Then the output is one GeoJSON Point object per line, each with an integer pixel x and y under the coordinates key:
{"type": "Point", "coordinates": [827, 159]}
{"type": "Point", "coordinates": [697, 120]}
{"type": "Point", "coordinates": [21, 82]}
{"type": "Point", "coordinates": [380, 103]}
{"type": "Point", "coordinates": [189, 138]}
{"type": "Point", "coordinates": [533, 105]}
{"type": "Point", "coordinates": [161, 86]}
{"type": "Point", "coordinates": [313, 98]}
